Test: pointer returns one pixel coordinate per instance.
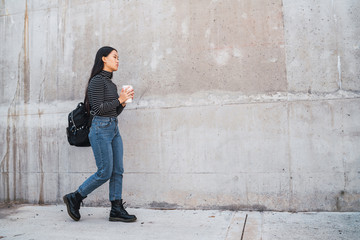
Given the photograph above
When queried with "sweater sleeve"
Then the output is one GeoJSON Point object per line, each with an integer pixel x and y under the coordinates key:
{"type": "Point", "coordinates": [97, 97]}
{"type": "Point", "coordinates": [119, 109]}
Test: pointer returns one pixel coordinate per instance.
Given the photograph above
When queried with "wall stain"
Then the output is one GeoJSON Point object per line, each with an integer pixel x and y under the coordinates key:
{"type": "Point", "coordinates": [339, 199]}
{"type": "Point", "coordinates": [40, 150]}
{"type": "Point", "coordinates": [235, 207]}
{"type": "Point", "coordinates": [26, 57]}
{"type": "Point", "coordinates": [289, 108]}
{"type": "Point", "coordinates": [5, 162]}
{"type": "Point", "coordinates": [11, 136]}
{"type": "Point", "coordinates": [14, 156]}
{"type": "Point", "coordinates": [163, 206]}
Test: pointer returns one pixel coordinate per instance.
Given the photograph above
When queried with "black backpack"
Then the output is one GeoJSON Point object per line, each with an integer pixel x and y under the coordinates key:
{"type": "Point", "coordinates": [79, 126]}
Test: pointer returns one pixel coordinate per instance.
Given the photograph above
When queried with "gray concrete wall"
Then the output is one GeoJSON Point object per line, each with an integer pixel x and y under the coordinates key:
{"type": "Point", "coordinates": [239, 104]}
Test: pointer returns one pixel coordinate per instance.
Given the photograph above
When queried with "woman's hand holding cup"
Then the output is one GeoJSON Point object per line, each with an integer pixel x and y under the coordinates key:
{"type": "Point", "coordinates": [126, 95]}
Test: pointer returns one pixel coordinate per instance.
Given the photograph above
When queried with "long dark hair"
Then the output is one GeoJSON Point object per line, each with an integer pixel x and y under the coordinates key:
{"type": "Point", "coordinates": [97, 68]}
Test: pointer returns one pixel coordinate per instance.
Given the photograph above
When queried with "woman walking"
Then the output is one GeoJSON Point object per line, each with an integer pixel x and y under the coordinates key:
{"type": "Point", "coordinates": [104, 102]}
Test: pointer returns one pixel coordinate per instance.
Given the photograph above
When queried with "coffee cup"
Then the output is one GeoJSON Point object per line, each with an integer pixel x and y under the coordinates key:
{"type": "Point", "coordinates": [125, 87]}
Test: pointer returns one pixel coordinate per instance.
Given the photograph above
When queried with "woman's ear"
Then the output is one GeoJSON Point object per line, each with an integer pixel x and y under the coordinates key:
{"type": "Point", "coordinates": [103, 59]}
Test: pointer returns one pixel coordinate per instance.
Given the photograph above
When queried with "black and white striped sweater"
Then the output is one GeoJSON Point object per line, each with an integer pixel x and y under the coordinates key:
{"type": "Point", "coordinates": [103, 95]}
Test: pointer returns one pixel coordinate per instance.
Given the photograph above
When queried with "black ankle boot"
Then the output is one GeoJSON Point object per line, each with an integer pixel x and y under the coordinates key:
{"type": "Point", "coordinates": [118, 212]}
{"type": "Point", "coordinates": [72, 201]}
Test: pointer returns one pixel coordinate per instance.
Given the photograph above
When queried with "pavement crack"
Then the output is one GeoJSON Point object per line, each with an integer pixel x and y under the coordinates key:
{"type": "Point", "coordinates": [242, 234]}
{"type": "Point", "coordinates": [231, 222]}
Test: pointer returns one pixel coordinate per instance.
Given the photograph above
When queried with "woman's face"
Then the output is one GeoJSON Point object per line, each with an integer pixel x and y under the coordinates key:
{"type": "Point", "coordinates": [111, 62]}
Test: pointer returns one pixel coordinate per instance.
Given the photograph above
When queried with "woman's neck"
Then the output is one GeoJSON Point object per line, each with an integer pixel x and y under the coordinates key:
{"type": "Point", "coordinates": [107, 69]}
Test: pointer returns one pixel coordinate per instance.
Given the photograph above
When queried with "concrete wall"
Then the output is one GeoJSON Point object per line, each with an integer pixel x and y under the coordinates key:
{"type": "Point", "coordinates": [239, 104]}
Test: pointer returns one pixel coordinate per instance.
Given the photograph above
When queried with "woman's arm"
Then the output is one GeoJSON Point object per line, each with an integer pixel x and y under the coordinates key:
{"type": "Point", "coordinates": [96, 97]}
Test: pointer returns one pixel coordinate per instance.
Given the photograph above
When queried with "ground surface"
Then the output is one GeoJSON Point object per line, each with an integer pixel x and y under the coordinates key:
{"type": "Point", "coordinates": [52, 222]}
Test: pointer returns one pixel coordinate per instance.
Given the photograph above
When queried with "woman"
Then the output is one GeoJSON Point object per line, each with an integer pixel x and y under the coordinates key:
{"type": "Point", "coordinates": [105, 103]}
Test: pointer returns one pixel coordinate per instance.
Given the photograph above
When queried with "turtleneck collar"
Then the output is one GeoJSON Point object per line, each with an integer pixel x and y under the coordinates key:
{"type": "Point", "coordinates": [106, 74]}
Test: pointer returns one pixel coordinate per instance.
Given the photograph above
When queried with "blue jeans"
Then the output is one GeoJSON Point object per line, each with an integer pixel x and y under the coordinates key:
{"type": "Point", "coordinates": [107, 147]}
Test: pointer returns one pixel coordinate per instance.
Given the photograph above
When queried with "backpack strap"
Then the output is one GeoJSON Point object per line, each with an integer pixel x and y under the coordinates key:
{"type": "Point", "coordinates": [72, 119]}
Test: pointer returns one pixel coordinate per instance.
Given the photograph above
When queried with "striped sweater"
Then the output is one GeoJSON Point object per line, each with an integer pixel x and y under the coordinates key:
{"type": "Point", "coordinates": [103, 96]}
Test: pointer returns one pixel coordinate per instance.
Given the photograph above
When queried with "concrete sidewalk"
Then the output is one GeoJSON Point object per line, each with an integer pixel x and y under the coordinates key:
{"type": "Point", "coordinates": [52, 222]}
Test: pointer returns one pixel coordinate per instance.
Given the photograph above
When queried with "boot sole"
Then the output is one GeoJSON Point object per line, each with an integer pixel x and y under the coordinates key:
{"type": "Point", "coordinates": [115, 219]}
{"type": "Point", "coordinates": [68, 209]}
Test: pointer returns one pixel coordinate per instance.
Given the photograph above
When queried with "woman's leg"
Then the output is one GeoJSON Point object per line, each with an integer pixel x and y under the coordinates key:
{"type": "Point", "coordinates": [115, 186]}
{"type": "Point", "coordinates": [101, 135]}
{"type": "Point", "coordinates": [118, 212]}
